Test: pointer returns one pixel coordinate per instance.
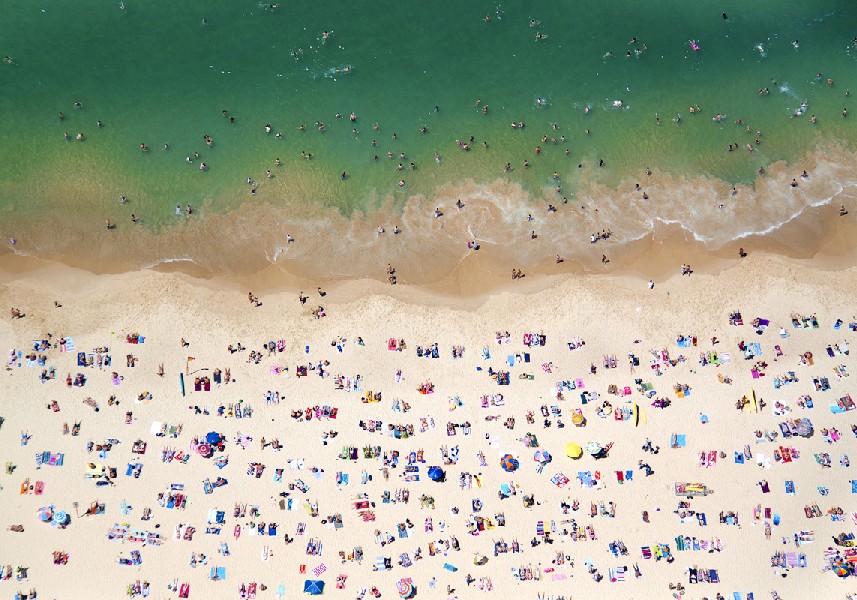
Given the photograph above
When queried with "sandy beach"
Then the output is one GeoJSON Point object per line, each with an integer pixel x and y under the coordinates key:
{"type": "Point", "coordinates": [500, 492]}
{"type": "Point", "coordinates": [442, 301]}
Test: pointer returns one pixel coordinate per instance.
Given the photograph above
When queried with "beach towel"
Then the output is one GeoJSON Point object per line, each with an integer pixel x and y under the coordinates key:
{"type": "Point", "coordinates": [559, 480]}
{"type": "Point", "coordinates": [678, 440]}
{"type": "Point", "coordinates": [68, 346]}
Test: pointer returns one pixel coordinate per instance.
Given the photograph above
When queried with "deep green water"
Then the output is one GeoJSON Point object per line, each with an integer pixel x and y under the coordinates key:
{"type": "Point", "coordinates": [161, 71]}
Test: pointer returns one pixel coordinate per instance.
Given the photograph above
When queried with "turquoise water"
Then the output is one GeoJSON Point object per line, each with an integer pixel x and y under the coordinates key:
{"type": "Point", "coordinates": [158, 72]}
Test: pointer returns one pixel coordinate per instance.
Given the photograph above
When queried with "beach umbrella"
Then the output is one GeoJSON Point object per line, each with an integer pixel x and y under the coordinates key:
{"type": "Point", "coordinates": [204, 450]}
{"type": "Point", "coordinates": [573, 450]}
{"type": "Point", "coordinates": [436, 474]}
{"type": "Point", "coordinates": [213, 438]}
{"type": "Point", "coordinates": [509, 463]}
{"type": "Point", "coordinates": [406, 588]}
{"type": "Point", "coordinates": [313, 587]}
{"type": "Point", "coordinates": [840, 571]}
{"type": "Point", "coordinates": [593, 447]}
{"type": "Point", "coordinates": [542, 456]}
{"type": "Point", "coordinates": [46, 513]}
{"type": "Point", "coordinates": [60, 518]}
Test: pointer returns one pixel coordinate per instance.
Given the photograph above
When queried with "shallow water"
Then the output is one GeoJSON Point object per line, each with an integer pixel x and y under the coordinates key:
{"type": "Point", "coordinates": [160, 72]}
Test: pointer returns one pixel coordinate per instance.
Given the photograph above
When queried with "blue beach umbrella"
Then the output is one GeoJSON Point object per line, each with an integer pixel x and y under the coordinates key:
{"type": "Point", "coordinates": [313, 587]}
{"type": "Point", "coordinates": [213, 438]}
{"type": "Point", "coordinates": [436, 474]}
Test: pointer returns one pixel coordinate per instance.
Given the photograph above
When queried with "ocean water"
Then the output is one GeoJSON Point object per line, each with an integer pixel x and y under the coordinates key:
{"type": "Point", "coordinates": [159, 72]}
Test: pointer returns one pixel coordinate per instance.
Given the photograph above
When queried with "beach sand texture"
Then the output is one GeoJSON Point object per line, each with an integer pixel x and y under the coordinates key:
{"type": "Point", "coordinates": [614, 315]}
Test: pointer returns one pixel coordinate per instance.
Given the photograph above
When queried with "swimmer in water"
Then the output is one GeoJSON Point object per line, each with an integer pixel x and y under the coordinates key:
{"type": "Point", "coordinates": [796, 44]}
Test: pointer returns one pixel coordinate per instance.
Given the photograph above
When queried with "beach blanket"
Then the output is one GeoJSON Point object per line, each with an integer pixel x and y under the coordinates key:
{"type": "Point", "coordinates": [559, 480]}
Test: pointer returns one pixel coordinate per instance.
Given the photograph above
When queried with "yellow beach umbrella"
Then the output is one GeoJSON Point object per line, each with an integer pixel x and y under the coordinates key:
{"type": "Point", "coordinates": [573, 450]}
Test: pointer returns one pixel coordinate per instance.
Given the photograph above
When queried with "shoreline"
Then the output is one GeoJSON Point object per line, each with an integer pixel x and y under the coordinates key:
{"type": "Point", "coordinates": [705, 218]}
{"type": "Point", "coordinates": [480, 275]}
{"type": "Point", "coordinates": [824, 235]}
{"type": "Point", "coordinates": [247, 246]}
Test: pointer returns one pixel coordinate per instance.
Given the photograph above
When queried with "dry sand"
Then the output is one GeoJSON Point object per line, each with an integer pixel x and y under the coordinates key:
{"type": "Point", "coordinates": [609, 312]}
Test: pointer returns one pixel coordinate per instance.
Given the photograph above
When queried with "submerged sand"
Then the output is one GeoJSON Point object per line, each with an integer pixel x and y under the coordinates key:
{"type": "Point", "coordinates": [513, 227]}
{"type": "Point", "coordinates": [614, 314]}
